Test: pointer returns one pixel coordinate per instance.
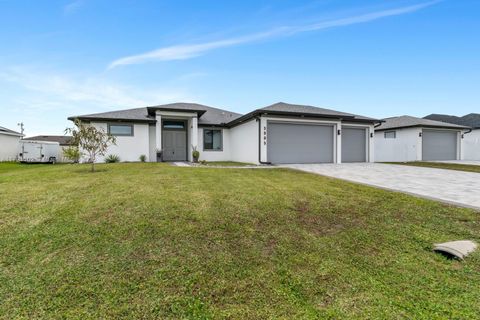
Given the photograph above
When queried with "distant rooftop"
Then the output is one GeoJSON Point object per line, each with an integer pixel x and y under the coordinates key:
{"type": "Point", "coordinates": [409, 121]}
{"type": "Point", "coordinates": [469, 120]}
{"type": "Point", "coordinates": [62, 140]}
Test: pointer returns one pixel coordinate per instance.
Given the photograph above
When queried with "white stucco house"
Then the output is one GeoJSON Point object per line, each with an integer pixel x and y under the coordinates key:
{"type": "Point", "coordinates": [406, 138]}
{"type": "Point", "coordinates": [471, 139]}
{"type": "Point", "coordinates": [9, 144]}
{"type": "Point", "coordinates": [280, 133]}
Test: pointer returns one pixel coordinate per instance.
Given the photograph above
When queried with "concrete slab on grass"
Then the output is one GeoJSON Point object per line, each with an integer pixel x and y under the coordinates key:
{"type": "Point", "coordinates": [459, 249]}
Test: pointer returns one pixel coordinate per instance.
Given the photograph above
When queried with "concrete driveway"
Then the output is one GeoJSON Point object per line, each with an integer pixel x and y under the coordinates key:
{"type": "Point", "coordinates": [456, 187]}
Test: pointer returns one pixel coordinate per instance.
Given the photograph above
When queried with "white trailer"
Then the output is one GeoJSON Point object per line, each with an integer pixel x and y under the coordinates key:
{"type": "Point", "coordinates": [38, 151]}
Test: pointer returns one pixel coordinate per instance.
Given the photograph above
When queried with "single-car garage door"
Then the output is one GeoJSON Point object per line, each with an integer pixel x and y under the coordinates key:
{"type": "Point", "coordinates": [439, 145]}
{"type": "Point", "coordinates": [299, 143]}
{"type": "Point", "coordinates": [354, 144]}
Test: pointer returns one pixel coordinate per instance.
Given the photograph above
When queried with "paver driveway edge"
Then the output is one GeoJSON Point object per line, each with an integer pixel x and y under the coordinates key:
{"type": "Point", "coordinates": [465, 204]}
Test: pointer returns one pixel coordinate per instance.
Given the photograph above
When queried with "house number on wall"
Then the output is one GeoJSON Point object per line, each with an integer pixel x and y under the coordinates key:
{"type": "Point", "coordinates": [264, 136]}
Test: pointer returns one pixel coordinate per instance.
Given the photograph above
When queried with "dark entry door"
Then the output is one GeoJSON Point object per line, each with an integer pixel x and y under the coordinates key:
{"type": "Point", "coordinates": [174, 145]}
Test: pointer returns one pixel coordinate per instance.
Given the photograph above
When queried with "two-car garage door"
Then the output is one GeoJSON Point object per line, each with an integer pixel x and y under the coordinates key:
{"type": "Point", "coordinates": [313, 143]}
{"type": "Point", "coordinates": [299, 143]}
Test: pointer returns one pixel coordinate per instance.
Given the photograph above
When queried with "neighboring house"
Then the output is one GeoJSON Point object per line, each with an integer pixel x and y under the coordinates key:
{"type": "Point", "coordinates": [64, 141]}
{"type": "Point", "coordinates": [280, 133]}
{"type": "Point", "coordinates": [406, 138]}
{"type": "Point", "coordinates": [471, 139]}
{"type": "Point", "coordinates": [9, 144]}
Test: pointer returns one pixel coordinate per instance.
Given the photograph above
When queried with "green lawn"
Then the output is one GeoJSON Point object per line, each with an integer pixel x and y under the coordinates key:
{"type": "Point", "coordinates": [145, 241]}
{"type": "Point", "coordinates": [442, 165]}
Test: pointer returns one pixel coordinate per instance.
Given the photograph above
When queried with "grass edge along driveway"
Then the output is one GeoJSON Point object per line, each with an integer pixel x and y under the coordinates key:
{"type": "Point", "coordinates": [441, 165]}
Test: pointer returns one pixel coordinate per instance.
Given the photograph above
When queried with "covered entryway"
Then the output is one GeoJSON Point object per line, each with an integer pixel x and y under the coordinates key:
{"type": "Point", "coordinates": [300, 143]}
{"type": "Point", "coordinates": [354, 144]}
{"type": "Point", "coordinates": [439, 145]}
{"type": "Point", "coordinates": [174, 140]}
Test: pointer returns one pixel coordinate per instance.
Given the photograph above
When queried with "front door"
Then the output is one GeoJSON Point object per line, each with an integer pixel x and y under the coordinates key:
{"type": "Point", "coordinates": [174, 145]}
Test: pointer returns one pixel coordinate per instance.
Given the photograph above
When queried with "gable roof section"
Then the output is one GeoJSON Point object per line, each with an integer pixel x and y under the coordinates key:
{"type": "Point", "coordinates": [62, 140]}
{"type": "Point", "coordinates": [206, 115]}
{"type": "Point", "coordinates": [9, 132]}
{"type": "Point", "coordinates": [409, 121]}
{"type": "Point", "coordinates": [287, 109]}
{"type": "Point", "coordinates": [470, 120]}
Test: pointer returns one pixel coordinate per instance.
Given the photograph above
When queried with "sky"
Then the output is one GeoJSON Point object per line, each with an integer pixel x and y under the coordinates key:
{"type": "Point", "coordinates": [370, 57]}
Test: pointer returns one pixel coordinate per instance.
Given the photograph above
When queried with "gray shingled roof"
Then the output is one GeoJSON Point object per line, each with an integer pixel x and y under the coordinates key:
{"type": "Point", "coordinates": [469, 120]}
{"type": "Point", "coordinates": [282, 108]}
{"type": "Point", "coordinates": [62, 140]}
{"type": "Point", "coordinates": [207, 115]}
{"type": "Point", "coordinates": [409, 121]}
{"type": "Point", "coordinates": [215, 116]}
{"type": "Point", "coordinates": [305, 109]}
{"type": "Point", "coordinates": [137, 114]}
{"type": "Point", "coordinates": [11, 132]}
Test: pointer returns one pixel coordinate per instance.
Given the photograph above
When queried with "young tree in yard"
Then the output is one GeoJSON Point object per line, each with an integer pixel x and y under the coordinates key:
{"type": "Point", "coordinates": [72, 153]}
{"type": "Point", "coordinates": [92, 141]}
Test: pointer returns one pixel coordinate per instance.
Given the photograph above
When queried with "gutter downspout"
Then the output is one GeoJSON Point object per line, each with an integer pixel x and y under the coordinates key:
{"type": "Point", "coordinates": [260, 141]}
{"type": "Point", "coordinates": [467, 132]}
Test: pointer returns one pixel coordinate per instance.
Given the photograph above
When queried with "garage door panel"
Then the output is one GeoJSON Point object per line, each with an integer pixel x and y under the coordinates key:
{"type": "Point", "coordinates": [354, 145]}
{"type": "Point", "coordinates": [439, 145]}
{"type": "Point", "coordinates": [299, 143]}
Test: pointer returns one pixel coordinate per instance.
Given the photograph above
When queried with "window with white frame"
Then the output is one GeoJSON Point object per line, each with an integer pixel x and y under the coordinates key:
{"type": "Point", "coordinates": [390, 134]}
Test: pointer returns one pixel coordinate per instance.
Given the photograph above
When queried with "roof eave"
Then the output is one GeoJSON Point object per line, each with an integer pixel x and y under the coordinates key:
{"type": "Point", "coordinates": [15, 134]}
{"type": "Point", "coordinates": [258, 112]}
{"type": "Point", "coordinates": [198, 111]}
{"type": "Point", "coordinates": [112, 119]}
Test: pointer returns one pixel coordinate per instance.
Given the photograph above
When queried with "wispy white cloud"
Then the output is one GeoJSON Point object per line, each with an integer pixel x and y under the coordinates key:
{"type": "Point", "coordinates": [43, 99]}
{"type": "Point", "coordinates": [183, 52]}
{"type": "Point", "coordinates": [60, 88]}
{"type": "Point", "coordinates": [73, 6]}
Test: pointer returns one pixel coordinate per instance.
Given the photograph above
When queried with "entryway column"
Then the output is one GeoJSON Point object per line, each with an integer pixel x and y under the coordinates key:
{"type": "Point", "coordinates": [194, 134]}
{"type": "Point", "coordinates": [158, 132]}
